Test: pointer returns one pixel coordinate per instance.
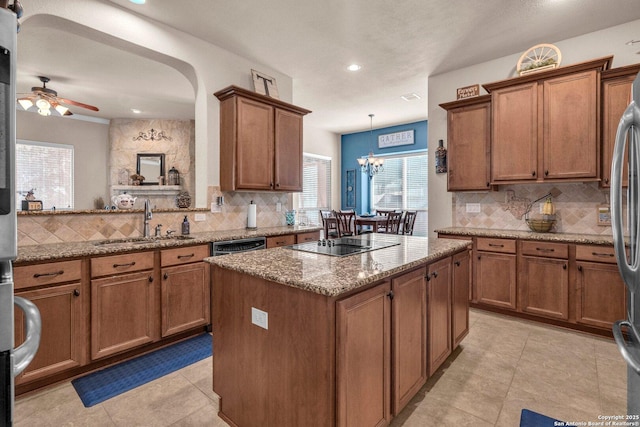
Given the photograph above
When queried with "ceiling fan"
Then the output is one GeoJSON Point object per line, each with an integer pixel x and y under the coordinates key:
{"type": "Point", "coordinates": [46, 100]}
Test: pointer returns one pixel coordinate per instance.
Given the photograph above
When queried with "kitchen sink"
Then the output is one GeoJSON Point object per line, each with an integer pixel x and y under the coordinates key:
{"type": "Point", "coordinates": [139, 240]}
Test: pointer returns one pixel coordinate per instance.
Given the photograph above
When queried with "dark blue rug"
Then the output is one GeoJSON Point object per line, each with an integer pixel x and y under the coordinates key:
{"type": "Point", "coordinates": [109, 382]}
{"type": "Point", "coordinates": [533, 419]}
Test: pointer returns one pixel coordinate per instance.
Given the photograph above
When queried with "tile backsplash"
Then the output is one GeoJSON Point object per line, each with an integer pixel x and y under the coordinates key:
{"type": "Point", "coordinates": [576, 207]}
{"type": "Point", "coordinates": [60, 227]}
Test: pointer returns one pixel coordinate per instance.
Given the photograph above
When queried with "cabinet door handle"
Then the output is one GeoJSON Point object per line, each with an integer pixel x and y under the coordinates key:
{"type": "Point", "coordinates": [488, 184]}
{"type": "Point", "coordinates": [76, 293]}
{"type": "Point", "coordinates": [55, 273]}
{"type": "Point", "coordinates": [277, 185]}
{"type": "Point", "coordinates": [165, 276]}
{"type": "Point", "coordinates": [129, 264]}
{"type": "Point", "coordinates": [186, 256]}
{"type": "Point", "coordinates": [428, 277]}
{"type": "Point", "coordinates": [271, 185]}
{"type": "Point", "coordinates": [457, 263]}
{"type": "Point", "coordinates": [579, 268]}
{"type": "Point", "coordinates": [602, 255]}
{"type": "Point", "coordinates": [434, 274]}
{"type": "Point", "coordinates": [545, 250]}
{"type": "Point", "coordinates": [150, 279]}
{"type": "Point", "coordinates": [390, 295]}
{"type": "Point", "coordinates": [533, 173]}
{"type": "Point", "coordinates": [546, 173]}
{"type": "Point", "coordinates": [564, 266]}
{"type": "Point", "coordinates": [606, 180]}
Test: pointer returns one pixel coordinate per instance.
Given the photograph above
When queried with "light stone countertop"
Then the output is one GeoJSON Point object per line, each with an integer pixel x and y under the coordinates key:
{"type": "Point", "coordinates": [587, 239]}
{"type": "Point", "coordinates": [57, 251]}
{"type": "Point", "coordinates": [333, 276]}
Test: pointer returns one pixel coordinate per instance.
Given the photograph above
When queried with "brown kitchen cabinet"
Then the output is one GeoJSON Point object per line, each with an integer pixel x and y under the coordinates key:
{"type": "Point", "coordinates": [469, 141]}
{"type": "Point", "coordinates": [311, 236]}
{"type": "Point", "coordinates": [545, 125]}
{"type": "Point", "coordinates": [254, 126]}
{"type": "Point", "coordinates": [616, 96]}
{"type": "Point", "coordinates": [282, 240]}
{"type": "Point", "coordinates": [439, 313]}
{"type": "Point", "coordinates": [495, 272]}
{"type": "Point", "coordinates": [409, 331]}
{"type": "Point", "coordinates": [184, 288]}
{"type": "Point", "coordinates": [63, 305]}
{"type": "Point", "coordinates": [600, 290]}
{"type": "Point", "coordinates": [363, 365]}
{"type": "Point", "coordinates": [124, 307]}
{"type": "Point", "coordinates": [544, 279]}
{"type": "Point", "coordinates": [460, 281]}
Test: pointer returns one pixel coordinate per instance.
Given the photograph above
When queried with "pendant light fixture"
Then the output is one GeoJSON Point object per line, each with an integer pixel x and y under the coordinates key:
{"type": "Point", "coordinates": [371, 165]}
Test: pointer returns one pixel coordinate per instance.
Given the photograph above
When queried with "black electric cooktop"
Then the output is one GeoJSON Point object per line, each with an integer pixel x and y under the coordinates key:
{"type": "Point", "coordinates": [343, 246]}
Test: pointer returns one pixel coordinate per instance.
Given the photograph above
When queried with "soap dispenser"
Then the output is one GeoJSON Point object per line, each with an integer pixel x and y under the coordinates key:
{"type": "Point", "coordinates": [185, 226]}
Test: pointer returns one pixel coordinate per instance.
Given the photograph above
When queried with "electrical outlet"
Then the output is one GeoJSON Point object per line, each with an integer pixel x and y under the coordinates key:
{"type": "Point", "coordinates": [200, 217]}
{"type": "Point", "coordinates": [473, 207]}
{"type": "Point", "coordinates": [260, 318]}
{"type": "Point", "coordinates": [278, 207]}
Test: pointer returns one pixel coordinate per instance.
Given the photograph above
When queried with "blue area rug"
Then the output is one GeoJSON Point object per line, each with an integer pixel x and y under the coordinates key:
{"type": "Point", "coordinates": [109, 382]}
{"type": "Point", "coordinates": [533, 419]}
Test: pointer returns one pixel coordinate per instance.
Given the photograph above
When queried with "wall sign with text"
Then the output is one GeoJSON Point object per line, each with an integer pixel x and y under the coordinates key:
{"type": "Point", "coordinates": [397, 138]}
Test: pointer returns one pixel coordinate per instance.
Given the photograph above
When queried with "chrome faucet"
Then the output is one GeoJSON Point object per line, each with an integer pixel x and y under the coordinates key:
{"type": "Point", "coordinates": [147, 216]}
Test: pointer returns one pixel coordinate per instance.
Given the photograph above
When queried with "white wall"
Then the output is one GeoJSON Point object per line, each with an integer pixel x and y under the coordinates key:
{"type": "Point", "coordinates": [91, 150]}
{"type": "Point", "coordinates": [442, 88]}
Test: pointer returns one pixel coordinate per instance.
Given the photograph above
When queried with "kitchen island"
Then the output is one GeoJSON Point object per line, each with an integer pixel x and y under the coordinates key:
{"type": "Point", "coordinates": [309, 339]}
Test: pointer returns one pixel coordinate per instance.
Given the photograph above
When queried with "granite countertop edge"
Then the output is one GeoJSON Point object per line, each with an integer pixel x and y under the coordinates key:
{"type": "Point", "coordinates": [62, 250]}
{"type": "Point", "coordinates": [590, 239]}
{"type": "Point", "coordinates": [341, 283]}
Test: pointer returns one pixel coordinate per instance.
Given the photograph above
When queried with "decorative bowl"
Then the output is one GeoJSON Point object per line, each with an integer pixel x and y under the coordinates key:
{"type": "Point", "coordinates": [541, 225]}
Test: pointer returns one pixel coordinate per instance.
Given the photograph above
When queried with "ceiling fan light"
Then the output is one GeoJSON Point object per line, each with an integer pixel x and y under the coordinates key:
{"type": "Point", "coordinates": [44, 111]}
{"type": "Point", "coordinates": [62, 110]}
{"type": "Point", "coordinates": [25, 103]}
{"type": "Point", "coordinates": [43, 104]}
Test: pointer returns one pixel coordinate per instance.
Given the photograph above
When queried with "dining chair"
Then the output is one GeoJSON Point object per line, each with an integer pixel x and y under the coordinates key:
{"type": "Point", "coordinates": [385, 213]}
{"type": "Point", "coordinates": [329, 224]}
{"type": "Point", "coordinates": [408, 222]}
{"type": "Point", "coordinates": [392, 226]}
{"type": "Point", "coordinates": [346, 222]}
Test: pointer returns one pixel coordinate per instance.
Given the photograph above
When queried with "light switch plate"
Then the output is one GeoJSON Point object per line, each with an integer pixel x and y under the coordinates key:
{"type": "Point", "coordinates": [278, 207]}
{"type": "Point", "coordinates": [260, 318]}
{"type": "Point", "coordinates": [200, 217]}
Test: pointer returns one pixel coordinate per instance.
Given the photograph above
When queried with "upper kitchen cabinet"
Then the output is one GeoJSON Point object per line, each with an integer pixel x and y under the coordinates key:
{"type": "Point", "coordinates": [616, 96]}
{"type": "Point", "coordinates": [469, 133]}
{"type": "Point", "coordinates": [545, 125]}
{"type": "Point", "coordinates": [260, 142]}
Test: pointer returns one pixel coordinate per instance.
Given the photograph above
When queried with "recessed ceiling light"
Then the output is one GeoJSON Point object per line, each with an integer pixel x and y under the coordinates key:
{"type": "Point", "coordinates": [353, 67]}
{"type": "Point", "coordinates": [138, 1]}
{"type": "Point", "coordinates": [135, 111]}
{"type": "Point", "coordinates": [410, 97]}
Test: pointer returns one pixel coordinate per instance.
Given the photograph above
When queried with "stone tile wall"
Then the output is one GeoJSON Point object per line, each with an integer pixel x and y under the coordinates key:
{"type": "Point", "coordinates": [55, 228]}
{"type": "Point", "coordinates": [576, 207]}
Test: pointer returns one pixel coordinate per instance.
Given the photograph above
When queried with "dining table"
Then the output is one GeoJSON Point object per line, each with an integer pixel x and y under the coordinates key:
{"type": "Point", "coordinates": [375, 222]}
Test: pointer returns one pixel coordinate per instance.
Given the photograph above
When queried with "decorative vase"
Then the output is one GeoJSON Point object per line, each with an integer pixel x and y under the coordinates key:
{"type": "Point", "coordinates": [441, 158]}
{"type": "Point", "coordinates": [183, 199]}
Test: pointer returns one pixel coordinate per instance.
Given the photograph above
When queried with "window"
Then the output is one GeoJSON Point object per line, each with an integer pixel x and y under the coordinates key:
{"type": "Point", "coordinates": [47, 169]}
{"type": "Point", "coordinates": [316, 188]}
{"type": "Point", "coordinates": [403, 186]}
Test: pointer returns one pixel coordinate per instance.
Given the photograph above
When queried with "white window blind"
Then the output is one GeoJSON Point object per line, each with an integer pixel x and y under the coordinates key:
{"type": "Point", "coordinates": [316, 188]}
{"type": "Point", "coordinates": [403, 186]}
{"type": "Point", "coordinates": [46, 168]}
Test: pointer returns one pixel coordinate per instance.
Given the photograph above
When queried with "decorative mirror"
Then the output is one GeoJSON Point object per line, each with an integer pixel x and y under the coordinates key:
{"type": "Point", "coordinates": [151, 166]}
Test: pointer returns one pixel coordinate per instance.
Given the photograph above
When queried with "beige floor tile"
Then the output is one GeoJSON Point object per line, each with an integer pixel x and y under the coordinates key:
{"type": "Point", "coordinates": [613, 400]}
{"type": "Point", "coordinates": [205, 416]}
{"type": "Point", "coordinates": [159, 403]}
{"type": "Point", "coordinates": [612, 372]}
{"type": "Point", "coordinates": [429, 412]}
{"type": "Point", "coordinates": [497, 366]}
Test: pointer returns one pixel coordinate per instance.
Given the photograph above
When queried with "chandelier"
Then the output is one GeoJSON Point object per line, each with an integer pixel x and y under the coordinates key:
{"type": "Point", "coordinates": [371, 165]}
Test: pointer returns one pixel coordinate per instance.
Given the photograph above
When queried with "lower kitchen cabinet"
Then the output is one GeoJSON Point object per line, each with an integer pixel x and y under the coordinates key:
{"type": "Point", "coordinates": [284, 240]}
{"type": "Point", "coordinates": [363, 371]}
{"type": "Point", "coordinates": [495, 272]}
{"type": "Point", "coordinates": [544, 279]}
{"type": "Point", "coordinates": [460, 281]}
{"type": "Point", "coordinates": [409, 331]}
{"type": "Point", "coordinates": [439, 309]}
{"type": "Point", "coordinates": [185, 289]}
{"type": "Point", "coordinates": [63, 340]}
{"type": "Point", "coordinates": [601, 292]}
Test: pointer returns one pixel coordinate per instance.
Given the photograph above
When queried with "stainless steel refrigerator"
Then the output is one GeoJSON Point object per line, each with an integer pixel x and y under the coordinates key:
{"type": "Point", "coordinates": [627, 140]}
{"type": "Point", "coordinates": [12, 360]}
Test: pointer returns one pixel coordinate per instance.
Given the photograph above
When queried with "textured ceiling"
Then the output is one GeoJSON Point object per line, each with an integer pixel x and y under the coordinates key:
{"type": "Point", "coordinates": [397, 43]}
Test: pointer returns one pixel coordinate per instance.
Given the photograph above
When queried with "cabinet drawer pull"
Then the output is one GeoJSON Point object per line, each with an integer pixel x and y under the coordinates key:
{"type": "Point", "coordinates": [53, 274]}
{"type": "Point", "coordinates": [602, 255]}
{"type": "Point", "coordinates": [545, 250]}
{"type": "Point", "coordinates": [165, 276]}
{"type": "Point", "coordinates": [495, 245]}
{"type": "Point", "coordinates": [533, 173]}
{"type": "Point", "coordinates": [457, 263]}
{"type": "Point", "coordinates": [390, 295]}
{"type": "Point", "coordinates": [128, 264]}
{"type": "Point", "coordinates": [150, 279]}
{"type": "Point", "coordinates": [186, 256]}
{"type": "Point", "coordinates": [564, 266]}
{"type": "Point", "coordinates": [579, 268]}
{"type": "Point", "coordinates": [546, 173]}
{"type": "Point", "coordinates": [76, 293]}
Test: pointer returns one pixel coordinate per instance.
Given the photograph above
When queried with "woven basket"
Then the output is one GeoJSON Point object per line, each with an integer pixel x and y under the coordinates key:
{"type": "Point", "coordinates": [541, 225]}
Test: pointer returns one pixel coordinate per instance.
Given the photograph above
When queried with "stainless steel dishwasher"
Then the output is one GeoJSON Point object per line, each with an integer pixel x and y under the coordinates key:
{"type": "Point", "coordinates": [226, 247]}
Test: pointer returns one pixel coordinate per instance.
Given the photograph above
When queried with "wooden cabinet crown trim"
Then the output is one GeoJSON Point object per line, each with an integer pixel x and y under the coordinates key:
{"type": "Point", "coordinates": [600, 64]}
{"type": "Point", "coordinates": [465, 102]}
{"type": "Point", "coordinates": [232, 90]}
